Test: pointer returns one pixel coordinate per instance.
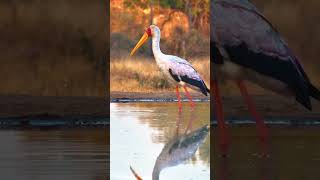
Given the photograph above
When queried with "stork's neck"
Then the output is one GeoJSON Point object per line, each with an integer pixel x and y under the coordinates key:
{"type": "Point", "coordinates": [155, 175]}
{"type": "Point", "coordinates": [156, 45]}
{"type": "Point", "coordinates": [156, 172]}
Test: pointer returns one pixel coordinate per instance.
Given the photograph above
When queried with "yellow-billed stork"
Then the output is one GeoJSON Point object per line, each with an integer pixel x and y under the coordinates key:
{"type": "Point", "coordinates": [177, 70]}
{"type": "Point", "coordinates": [177, 150]}
{"type": "Point", "coordinates": [245, 46]}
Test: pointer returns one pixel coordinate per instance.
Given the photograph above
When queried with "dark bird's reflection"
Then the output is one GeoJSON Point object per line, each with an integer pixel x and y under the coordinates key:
{"type": "Point", "coordinates": [262, 162]}
{"type": "Point", "coordinates": [179, 148]}
{"type": "Point", "coordinates": [264, 171]}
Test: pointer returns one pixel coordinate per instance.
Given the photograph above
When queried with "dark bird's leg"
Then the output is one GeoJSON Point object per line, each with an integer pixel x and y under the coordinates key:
{"type": "Point", "coordinates": [178, 97]}
{"type": "Point", "coordinates": [223, 134]}
{"type": "Point", "coordinates": [189, 97]}
{"type": "Point", "coordinates": [261, 126]}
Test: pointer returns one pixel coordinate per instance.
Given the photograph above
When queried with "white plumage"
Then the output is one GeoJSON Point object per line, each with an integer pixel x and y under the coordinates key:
{"type": "Point", "coordinates": [177, 70]}
{"type": "Point", "coordinates": [179, 67]}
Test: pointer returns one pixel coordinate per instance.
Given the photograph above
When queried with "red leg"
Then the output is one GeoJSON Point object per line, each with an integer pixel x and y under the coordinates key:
{"type": "Point", "coordinates": [189, 96]}
{"type": "Point", "coordinates": [261, 126]}
{"type": "Point", "coordinates": [223, 134]}
{"type": "Point", "coordinates": [179, 99]}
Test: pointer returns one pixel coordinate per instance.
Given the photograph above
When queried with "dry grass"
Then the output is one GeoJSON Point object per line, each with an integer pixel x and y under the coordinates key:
{"type": "Point", "coordinates": [53, 48]}
{"type": "Point", "coordinates": [143, 75]}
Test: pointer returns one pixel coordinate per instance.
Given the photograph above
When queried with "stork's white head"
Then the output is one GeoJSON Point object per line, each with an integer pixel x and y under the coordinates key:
{"type": "Point", "coordinates": [151, 31]}
{"type": "Point", "coordinates": [154, 30]}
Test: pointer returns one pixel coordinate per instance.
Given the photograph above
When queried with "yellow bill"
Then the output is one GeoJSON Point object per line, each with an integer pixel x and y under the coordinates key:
{"type": "Point", "coordinates": [135, 174]}
{"type": "Point", "coordinates": [140, 43]}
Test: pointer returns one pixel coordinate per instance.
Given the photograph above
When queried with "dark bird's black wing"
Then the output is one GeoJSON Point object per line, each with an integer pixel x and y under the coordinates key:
{"type": "Point", "coordinates": [249, 40]}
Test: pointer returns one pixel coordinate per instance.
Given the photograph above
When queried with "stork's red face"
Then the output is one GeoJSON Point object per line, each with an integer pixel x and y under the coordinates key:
{"type": "Point", "coordinates": [143, 39]}
{"type": "Point", "coordinates": [148, 31]}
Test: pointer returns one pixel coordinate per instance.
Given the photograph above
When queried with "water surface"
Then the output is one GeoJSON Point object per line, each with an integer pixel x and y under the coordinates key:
{"type": "Point", "coordinates": [293, 154]}
{"type": "Point", "coordinates": [140, 131]}
{"type": "Point", "coordinates": [80, 154]}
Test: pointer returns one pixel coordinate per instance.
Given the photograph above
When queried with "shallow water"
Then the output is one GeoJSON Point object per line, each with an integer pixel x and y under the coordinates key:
{"type": "Point", "coordinates": [293, 153]}
{"type": "Point", "coordinates": [140, 131]}
{"type": "Point", "coordinates": [54, 154]}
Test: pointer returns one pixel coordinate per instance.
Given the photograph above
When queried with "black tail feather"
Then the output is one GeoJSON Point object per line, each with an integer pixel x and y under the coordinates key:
{"type": "Point", "coordinates": [314, 92]}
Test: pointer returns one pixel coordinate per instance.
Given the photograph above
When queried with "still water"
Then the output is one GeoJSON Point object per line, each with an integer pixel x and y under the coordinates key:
{"type": "Point", "coordinates": [80, 154]}
{"type": "Point", "coordinates": [293, 154]}
{"type": "Point", "coordinates": [155, 139]}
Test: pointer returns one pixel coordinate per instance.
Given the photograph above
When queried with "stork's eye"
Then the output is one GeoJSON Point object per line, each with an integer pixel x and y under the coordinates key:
{"type": "Point", "coordinates": [148, 31]}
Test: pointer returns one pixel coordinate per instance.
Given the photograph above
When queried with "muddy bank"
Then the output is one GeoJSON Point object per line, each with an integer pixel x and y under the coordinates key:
{"type": "Point", "coordinates": [271, 107]}
{"type": "Point", "coordinates": [19, 110]}
{"type": "Point", "coordinates": [153, 96]}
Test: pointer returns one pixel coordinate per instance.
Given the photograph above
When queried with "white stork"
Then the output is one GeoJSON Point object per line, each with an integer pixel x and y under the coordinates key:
{"type": "Point", "coordinates": [177, 70]}
{"type": "Point", "coordinates": [245, 46]}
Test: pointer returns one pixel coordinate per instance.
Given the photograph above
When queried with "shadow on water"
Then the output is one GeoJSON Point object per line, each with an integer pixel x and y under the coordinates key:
{"type": "Point", "coordinates": [178, 150]}
{"type": "Point", "coordinates": [294, 153]}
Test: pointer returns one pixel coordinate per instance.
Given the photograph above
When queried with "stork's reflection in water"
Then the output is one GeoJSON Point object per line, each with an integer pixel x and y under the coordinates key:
{"type": "Point", "coordinates": [180, 148]}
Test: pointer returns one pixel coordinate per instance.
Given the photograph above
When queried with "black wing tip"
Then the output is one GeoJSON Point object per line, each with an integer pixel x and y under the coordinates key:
{"type": "Point", "coordinates": [205, 90]}
{"type": "Point", "coordinates": [308, 106]}
{"type": "Point", "coordinates": [304, 99]}
{"type": "Point", "coordinates": [314, 92]}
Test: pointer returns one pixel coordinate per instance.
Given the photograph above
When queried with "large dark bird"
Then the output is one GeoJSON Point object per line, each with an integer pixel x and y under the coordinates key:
{"type": "Point", "coordinates": [246, 47]}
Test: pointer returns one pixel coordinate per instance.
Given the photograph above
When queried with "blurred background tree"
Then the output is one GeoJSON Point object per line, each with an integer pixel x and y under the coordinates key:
{"type": "Point", "coordinates": [53, 48]}
{"type": "Point", "coordinates": [184, 25]}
